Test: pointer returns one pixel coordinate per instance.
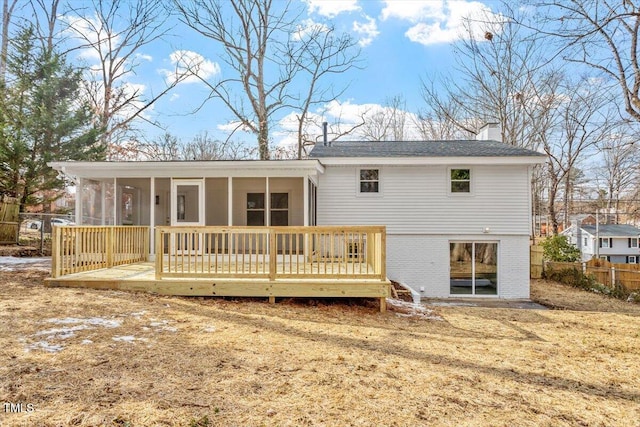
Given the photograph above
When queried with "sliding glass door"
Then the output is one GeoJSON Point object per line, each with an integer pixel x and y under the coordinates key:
{"type": "Point", "coordinates": [473, 268]}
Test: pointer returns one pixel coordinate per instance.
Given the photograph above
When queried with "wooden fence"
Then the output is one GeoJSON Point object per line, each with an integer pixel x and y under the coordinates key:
{"type": "Point", "coordinates": [9, 220]}
{"type": "Point", "coordinates": [606, 273]}
{"type": "Point", "coordinates": [536, 261]}
{"type": "Point", "coordinates": [83, 248]}
{"type": "Point", "coordinates": [271, 252]}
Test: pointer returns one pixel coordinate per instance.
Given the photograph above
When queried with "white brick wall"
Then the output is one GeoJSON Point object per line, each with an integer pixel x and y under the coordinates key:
{"type": "Point", "coordinates": [423, 261]}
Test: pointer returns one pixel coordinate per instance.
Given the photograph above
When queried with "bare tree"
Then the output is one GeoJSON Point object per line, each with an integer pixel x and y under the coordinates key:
{"type": "Point", "coordinates": [116, 32]}
{"type": "Point", "coordinates": [203, 147]}
{"type": "Point", "coordinates": [163, 147]}
{"type": "Point", "coordinates": [500, 71]}
{"type": "Point", "coordinates": [601, 34]}
{"type": "Point", "coordinates": [389, 122]}
{"type": "Point", "coordinates": [258, 46]}
{"type": "Point", "coordinates": [323, 53]}
{"type": "Point", "coordinates": [618, 170]}
{"type": "Point", "coordinates": [268, 49]}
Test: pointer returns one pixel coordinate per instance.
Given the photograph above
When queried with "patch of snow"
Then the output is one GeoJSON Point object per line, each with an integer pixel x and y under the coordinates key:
{"type": "Point", "coordinates": [163, 325]}
{"type": "Point", "coordinates": [411, 309]}
{"type": "Point", "coordinates": [128, 338]}
{"type": "Point", "coordinates": [44, 345]}
{"type": "Point", "coordinates": [62, 333]}
{"type": "Point", "coordinates": [10, 263]}
{"type": "Point", "coordinates": [125, 338]}
{"type": "Point", "coordinates": [209, 329]}
{"type": "Point", "coordinates": [95, 321]}
{"type": "Point", "coordinates": [139, 313]}
{"type": "Point", "coordinates": [85, 342]}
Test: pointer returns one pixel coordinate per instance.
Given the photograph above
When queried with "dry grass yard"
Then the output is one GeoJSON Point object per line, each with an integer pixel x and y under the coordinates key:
{"type": "Point", "coordinates": [105, 358]}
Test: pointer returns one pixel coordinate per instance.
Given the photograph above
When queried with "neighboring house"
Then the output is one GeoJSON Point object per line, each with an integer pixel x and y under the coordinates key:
{"type": "Point", "coordinates": [457, 213]}
{"type": "Point", "coordinates": [615, 243]}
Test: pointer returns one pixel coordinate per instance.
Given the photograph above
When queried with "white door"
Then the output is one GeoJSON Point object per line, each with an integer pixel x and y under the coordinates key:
{"type": "Point", "coordinates": [187, 209]}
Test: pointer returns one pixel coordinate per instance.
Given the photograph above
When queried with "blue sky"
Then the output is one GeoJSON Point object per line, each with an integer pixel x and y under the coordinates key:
{"type": "Point", "coordinates": [401, 42]}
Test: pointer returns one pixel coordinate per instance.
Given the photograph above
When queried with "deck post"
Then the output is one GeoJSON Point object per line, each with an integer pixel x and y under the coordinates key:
{"type": "Point", "coordinates": [159, 253]}
{"type": "Point", "coordinates": [273, 254]}
{"type": "Point", "coordinates": [110, 241]}
{"type": "Point", "coordinates": [56, 253]}
{"type": "Point", "coordinates": [383, 254]}
{"type": "Point", "coordinates": [383, 304]}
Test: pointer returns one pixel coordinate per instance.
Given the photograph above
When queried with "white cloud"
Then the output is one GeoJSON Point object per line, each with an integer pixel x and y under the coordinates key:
{"type": "Point", "coordinates": [413, 10]}
{"type": "Point", "coordinates": [189, 67]}
{"type": "Point", "coordinates": [341, 116]}
{"type": "Point", "coordinates": [92, 33]}
{"type": "Point", "coordinates": [444, 22]}
{"type": "Point", "coordinates": [144, 57]}
{"type": "Point", "coordinates": [233, 126]}
{"type": "Point", "coordinates": [366, 30]}
{"type": "Point", "coordinates": [309, 27]}
{"type": "Point", "coordinates": [331, 8]}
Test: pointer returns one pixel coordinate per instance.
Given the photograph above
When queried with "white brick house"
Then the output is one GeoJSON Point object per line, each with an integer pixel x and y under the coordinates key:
{"type": "Point", "coordinates": [457, 213]}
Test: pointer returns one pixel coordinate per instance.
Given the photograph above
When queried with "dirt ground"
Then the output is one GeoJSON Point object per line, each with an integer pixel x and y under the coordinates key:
{"type": "Point", "coordinates": [92, 358]}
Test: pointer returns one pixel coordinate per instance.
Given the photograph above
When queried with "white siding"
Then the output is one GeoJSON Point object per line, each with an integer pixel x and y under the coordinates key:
{"type": "Point", "coordinates": [416, 200]}
{"type": "Point", "coordinates": [422, 217]}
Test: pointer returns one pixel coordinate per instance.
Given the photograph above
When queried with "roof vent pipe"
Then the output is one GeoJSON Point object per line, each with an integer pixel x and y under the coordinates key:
{"type": "Point", "coordinates": [324, 134]}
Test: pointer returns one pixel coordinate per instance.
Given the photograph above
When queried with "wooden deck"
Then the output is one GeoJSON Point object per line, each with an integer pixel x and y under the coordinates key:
{"type": "Point", "coordinates": [230, 261]}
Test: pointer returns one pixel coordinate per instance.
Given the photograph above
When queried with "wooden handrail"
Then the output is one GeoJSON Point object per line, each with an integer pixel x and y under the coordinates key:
{"type": "Point", "coordinates": [84, 248]}
{"type": "Point", "coordinates": [271, 252]}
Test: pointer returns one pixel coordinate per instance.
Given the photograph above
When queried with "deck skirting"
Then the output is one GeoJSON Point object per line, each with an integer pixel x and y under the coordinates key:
{"type": "Point", "coordinates": [139, 277]}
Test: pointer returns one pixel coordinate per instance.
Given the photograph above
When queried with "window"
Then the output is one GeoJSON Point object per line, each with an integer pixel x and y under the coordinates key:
{"type": "Point", "coordinates": [606, 243]}
{"type": "Point", "coordinates": [585, 242]}
{"type": "Point", "coordinates": [279, 209]}
{"type": "Point", "coordinates": [369, 180]}
{"type": "Point", "coordinates": [633, 242]}
{"type": "Point", "coordinates": [460, 180]}
{"type": "Point", "coordinates": [632, 259]}
{"type": "Point", "coordinates": [473, 268]}
{"type": "Point", "coordinates": [255, 208]}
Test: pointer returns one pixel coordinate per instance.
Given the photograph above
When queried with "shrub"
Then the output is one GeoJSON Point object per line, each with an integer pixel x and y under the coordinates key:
{"type": "Point", "coordinates": [558, 249]}
{"type": "Point", "coordinates": [574, 277]}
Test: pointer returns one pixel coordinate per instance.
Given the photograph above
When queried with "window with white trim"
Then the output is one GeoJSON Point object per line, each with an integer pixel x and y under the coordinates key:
{"type": "Point", "coordinates": [279, 209]}
{"type": "Point", "coordinates": [632, 259]}
{"type": "Point", "coordinates": [460, 180]}
{"type": "Point", "coordinates": [606, 243]}
{"type": "Point", "coordinates": [369, 180]}
{"type": "Point", "coordinates": [255, 209]}
{"type": "Point", "coordinates": [633, 242]}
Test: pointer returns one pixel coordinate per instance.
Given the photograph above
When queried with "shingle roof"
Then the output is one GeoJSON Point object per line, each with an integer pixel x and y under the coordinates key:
{"type": "Point", "coordinates": [458, 148]}
{"type": "Point", "coordinates": [612, 230]}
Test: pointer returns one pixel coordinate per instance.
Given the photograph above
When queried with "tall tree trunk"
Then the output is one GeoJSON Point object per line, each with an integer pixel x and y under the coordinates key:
{"type": "Point", "coordinates": [7, 11]}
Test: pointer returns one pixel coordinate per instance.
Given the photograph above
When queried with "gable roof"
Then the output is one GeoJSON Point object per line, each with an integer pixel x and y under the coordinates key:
{"type": "Point", "coordinates": [612, 230]}
{"type": "Point", "coordinates": [454, 148]}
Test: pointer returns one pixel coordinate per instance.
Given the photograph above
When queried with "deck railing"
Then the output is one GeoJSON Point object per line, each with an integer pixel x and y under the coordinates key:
{"type": "Point", "coordinates": [83, 248]}
{"type": "Point", "coordinates": [271, 252]}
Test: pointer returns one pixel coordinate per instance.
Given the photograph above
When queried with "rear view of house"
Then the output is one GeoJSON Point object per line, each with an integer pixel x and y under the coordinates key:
{"type": "Point", "coordinates": [446, 218]}
{"type": "Point", "coordinates": [457, 213]}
